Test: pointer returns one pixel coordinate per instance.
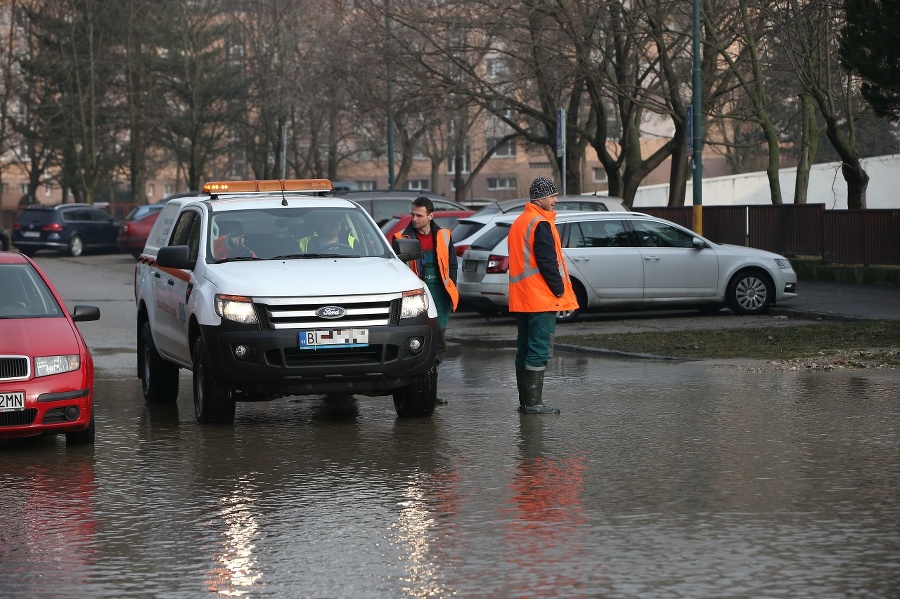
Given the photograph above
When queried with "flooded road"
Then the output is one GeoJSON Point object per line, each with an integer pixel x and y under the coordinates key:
{"type": "Point", "coordinates": [659, 479]}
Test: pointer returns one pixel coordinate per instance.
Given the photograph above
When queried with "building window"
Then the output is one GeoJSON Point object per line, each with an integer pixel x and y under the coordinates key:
{"type": "Point", "coordinates": [538, 165]}
{"type": "Point", "coordinates": [151, 189]}
{"type": "Point", "coordinates": [495, 67]}
{"type": "Point", "coordinates": [170, 189]}
{"type": "Point", "coordinates": [599, 175]}
{"type": "Point", "coordinates": [467, 162]}
{"type": "Point", "coordinates": [365, 185]}
{"type": "Point", "coordinates": [507, 149]}
{"type": "Point", "coordinates": [500, 183]}
{"type": "Point", "coordinates": [47, 191]}
{"type": "Point", "coordinates": [417, 185]}
{"type": "Point", "coordinates": [23, 188]}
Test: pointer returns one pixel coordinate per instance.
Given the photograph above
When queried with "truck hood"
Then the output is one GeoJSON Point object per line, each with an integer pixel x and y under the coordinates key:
{"type": "Point", "coordinates": [304, 277]}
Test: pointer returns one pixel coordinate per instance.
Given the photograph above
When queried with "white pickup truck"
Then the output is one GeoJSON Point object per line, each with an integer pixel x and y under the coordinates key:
{"type": "Point", "coordinates": [265, 289]}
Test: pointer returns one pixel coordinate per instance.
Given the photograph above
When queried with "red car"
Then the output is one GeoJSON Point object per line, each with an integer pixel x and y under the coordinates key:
{"type": "Point", "coordinates": [445, 218]}
{"type": "Point", "coordinates": [136, 227]}
{"type": "Point", "coordinates": [46, 369]}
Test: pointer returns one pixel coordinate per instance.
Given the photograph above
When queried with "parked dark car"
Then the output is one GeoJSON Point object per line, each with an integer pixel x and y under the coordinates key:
{"type": "Point", "coordinates": [66, 228]}
{"type": "Point", "coordinates": [384, 204]}
{"type": "Point", "coordinates": [4, 240]}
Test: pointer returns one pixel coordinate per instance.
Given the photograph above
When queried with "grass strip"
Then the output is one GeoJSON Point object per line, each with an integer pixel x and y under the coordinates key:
{"type": "Point", "coordinates": [763, 343]}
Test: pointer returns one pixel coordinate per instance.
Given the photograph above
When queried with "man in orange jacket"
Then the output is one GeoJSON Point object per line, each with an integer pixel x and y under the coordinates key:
{"type": "Point", "coordinates": [437, 267]}
{"type": "Point", "coordinates": [539, 287]}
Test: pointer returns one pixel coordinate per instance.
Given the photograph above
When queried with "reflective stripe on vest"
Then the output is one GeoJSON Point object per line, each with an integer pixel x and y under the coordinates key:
{"type": "Point", "coordinates": [527, 272]}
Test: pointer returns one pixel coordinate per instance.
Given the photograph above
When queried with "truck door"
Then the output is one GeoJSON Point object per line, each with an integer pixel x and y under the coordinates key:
{"type": "Point", "coordinates": [170, 292]}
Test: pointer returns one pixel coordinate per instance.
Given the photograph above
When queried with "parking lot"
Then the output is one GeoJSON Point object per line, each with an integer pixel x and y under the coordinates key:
{"type": "Point", "coordinates": [659, 478]}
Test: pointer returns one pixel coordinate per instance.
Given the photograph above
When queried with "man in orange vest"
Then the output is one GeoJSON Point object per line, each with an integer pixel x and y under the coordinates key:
{"type": "Point", "coordinates": [437, 267]}
{"type": "Point", "coordinates": [539, 287]}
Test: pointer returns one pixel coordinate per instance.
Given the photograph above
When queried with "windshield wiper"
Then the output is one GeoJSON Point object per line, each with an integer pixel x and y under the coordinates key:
{"type": "Point", "coordinates": [236, 259]}
{"type": "Point", "coordinates": [331, 256]}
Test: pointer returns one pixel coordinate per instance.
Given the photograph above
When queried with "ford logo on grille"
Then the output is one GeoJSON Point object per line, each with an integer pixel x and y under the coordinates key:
{"type": "Point", "coordinates": [330, 312]}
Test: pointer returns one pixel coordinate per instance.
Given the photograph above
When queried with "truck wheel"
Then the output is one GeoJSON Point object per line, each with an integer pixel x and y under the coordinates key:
{"type": "Point", "coordinates": [213, 402]}
{"type": "Point", "coordinates": [159, 379]}
{"type": "Point", "coordinates": [417, 400]}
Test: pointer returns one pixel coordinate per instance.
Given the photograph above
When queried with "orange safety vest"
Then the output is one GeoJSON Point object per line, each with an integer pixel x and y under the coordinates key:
{"type": "Point", "coordinates": [442, 249]}
{"type": "Point", "coordinates": [528, 291]}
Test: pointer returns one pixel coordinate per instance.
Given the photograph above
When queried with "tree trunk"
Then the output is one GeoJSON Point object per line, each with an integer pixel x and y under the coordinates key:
{"type": "Point", "coordinates": [809, 141]}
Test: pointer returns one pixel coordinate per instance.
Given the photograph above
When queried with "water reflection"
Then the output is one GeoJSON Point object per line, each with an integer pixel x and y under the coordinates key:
{"type": "Point", "coordinates": [237, 566]}
{"type": "Point", "coordinates": [48, 540]}
{"type": "Point", "coordinates": [658, 479]}
{"type": "Point", "coordinates": [543, 534]}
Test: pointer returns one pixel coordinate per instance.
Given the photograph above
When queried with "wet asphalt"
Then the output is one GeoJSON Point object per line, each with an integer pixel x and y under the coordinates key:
{"type": "Point", "coordinates": [659, 478]}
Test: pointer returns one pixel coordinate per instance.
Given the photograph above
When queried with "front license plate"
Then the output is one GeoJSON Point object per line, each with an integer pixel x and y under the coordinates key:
{"type": "Point", "coordinates": [470, 266]}
{"type": "Point", "coordinates": [334, 338]}
{"type": "Point", "coordinates": [31, 233]}
{"type": "Point", "coordinates": [13, 401]}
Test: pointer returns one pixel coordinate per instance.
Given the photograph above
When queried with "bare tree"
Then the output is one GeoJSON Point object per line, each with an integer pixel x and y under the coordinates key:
{"type": "Point", "coordinates": [201, 82]}
{"type": "Point", "coordinates": [811, 38]}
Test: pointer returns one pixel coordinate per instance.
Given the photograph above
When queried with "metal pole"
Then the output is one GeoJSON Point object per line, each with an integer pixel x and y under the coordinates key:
{"type": "Point", "coordinates": [284, 151]}
{"type": "Point", "coordinates": [697, 133]}
{"type": "Point", "coordinates": [390, 108]}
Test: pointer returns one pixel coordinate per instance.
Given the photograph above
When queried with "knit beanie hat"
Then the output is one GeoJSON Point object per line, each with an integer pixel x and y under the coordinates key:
{"type": "Point", "coordinates": [541, 188]}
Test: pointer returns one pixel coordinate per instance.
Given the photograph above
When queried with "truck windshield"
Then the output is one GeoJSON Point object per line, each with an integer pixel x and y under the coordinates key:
{"type": "Point", "coordinates": [293, 233]}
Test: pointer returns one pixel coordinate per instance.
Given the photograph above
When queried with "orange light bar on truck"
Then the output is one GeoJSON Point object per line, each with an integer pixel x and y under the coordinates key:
{"type": "Point", "coordinates": [216, 187]}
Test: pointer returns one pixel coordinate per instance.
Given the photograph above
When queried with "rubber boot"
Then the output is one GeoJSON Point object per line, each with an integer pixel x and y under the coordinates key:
{"type": "Point", "coordinates": [438, 401]}
{"type": "Point", "coordinates": [534, 390]}
{"type": "Point", "coordinates": [520, 386]}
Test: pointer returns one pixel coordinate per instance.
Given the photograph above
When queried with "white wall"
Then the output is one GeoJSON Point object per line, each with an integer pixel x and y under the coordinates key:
{"type": "Point", "coordinates": [826, 185]}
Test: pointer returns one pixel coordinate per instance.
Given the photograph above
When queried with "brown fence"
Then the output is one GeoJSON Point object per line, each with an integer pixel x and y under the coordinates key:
{"type": "Point", "coordinates": [837, 236]}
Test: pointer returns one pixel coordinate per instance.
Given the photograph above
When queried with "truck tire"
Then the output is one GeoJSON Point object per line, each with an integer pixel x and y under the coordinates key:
{"type": "Point", "coordinates": [159, 379]}
{"type": "Point", "coordinates": [417, 400]}
{"type": "Point", "coordinates": [214, 403]}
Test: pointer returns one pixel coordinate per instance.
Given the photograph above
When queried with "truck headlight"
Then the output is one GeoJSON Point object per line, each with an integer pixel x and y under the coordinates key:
{"type": "Point", "coordinates": [414, 303]}
{"type": "Point", "coordinates": [238, 308]}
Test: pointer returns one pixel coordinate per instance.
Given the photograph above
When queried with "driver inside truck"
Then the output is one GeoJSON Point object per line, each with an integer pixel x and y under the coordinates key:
{"type": "Point", "coordinates": [329, 234]}
{"type": "Point", "coordinates": [230, 242]}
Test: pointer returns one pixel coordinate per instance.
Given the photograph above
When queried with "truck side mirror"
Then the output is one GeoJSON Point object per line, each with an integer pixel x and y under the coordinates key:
{"type": "Point", "coordinates": [407, 249]}
{"type": "Point", "coordinates": [174, 256]}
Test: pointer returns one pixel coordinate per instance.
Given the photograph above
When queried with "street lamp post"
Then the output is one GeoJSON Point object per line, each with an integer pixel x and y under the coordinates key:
{"type": "Point", "coordinates": [390, 108]}
{"type": "Point", "coordinates": [697, 122]}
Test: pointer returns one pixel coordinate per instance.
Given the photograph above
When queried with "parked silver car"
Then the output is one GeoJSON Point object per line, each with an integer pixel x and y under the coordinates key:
{"type": "Point", "coordinates": [631, 260]}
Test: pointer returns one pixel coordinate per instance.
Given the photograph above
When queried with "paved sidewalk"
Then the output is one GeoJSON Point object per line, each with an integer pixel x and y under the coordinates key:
{"type": "Point", "coordinates": [843, 299]}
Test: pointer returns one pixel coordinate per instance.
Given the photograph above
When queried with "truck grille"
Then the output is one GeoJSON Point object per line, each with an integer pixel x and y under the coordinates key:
{"type": "Point", "coordinates": [301, 313]}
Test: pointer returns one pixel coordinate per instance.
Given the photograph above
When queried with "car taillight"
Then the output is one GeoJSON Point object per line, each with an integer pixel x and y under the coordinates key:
{"type": "Point", "coordinates": [126, 229]}
{"type": "Point", "coordinates": [460, 250]}
{"type": "Point", "coordinates": [497, 264]}
{"type": "Point", "coordinates": [52, 227]}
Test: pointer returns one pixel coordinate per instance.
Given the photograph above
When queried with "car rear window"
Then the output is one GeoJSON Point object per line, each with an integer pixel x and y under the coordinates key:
{"type": "Point", "coordinates": [390, 224]}
{"type": "Point", "coordinates": [491, 238]}
{"type": "Point", "coordinates": [143, 210]}
{"type": "Point", "coordinates": [465, 228]}
{"type": "Point", "coordinates": [35, 215]}
{"type": "Point", "coordinates": [490, 209]}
